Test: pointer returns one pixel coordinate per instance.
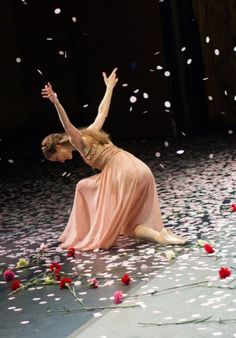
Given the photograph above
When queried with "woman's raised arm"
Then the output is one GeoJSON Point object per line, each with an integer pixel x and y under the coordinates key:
{"type": "Point", "coordinates": [104, 106]}
{"type": "Point", "coordinates": [70, 129]}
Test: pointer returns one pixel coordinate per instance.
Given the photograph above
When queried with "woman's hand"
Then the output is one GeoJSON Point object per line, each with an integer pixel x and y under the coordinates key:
{"type": "Point", "coordinates": [112, 80]}
{"type": "Point", "coordinates": [48, 93]}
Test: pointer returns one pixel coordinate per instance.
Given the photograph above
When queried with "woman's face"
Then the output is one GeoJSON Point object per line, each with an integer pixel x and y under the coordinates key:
{"type": "Point", "coordinates": [62, 154]}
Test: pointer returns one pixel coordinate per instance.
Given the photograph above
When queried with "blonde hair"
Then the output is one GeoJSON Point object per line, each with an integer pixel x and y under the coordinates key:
{"type": "Point", "coordinates": [50, 142]}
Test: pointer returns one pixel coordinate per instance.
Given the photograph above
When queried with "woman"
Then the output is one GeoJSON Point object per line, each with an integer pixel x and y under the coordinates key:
{"type": "Point", "coordinates": [122, 199]}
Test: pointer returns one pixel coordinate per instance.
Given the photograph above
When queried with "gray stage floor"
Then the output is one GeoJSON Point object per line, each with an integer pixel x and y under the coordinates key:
{"type": "Point", "coordinates": [183, 297]}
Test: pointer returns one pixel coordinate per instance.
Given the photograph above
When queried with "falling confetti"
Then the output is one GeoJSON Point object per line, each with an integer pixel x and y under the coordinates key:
{"type": "Point", "coordinates": [157, 154]}
{"type": "Point", "coordinates": [74, 19]}
{"type": "Point", "coordinates": [57, 11]}
{"type": "Point", "coordinates": [145, 95]}
{"type": "Point", "coordinates": [217, 52]}
{"type": "Point", "coordinates": [167, 104]}
{"type": "Point", "coordinates": [180, 152]}
{"type": "Point", "coordinates": [183, 49]}
{"type": "Point", "coordinates": [210, 98]}
{"type": "Point", "coordinates": [124, 84]}
{"type": "Point", "coordinates": [159, 67]}
{"type": "Point", "coordinates": [39, 71]}
{"type": "Point", "coordinates": [167, 73]}
{"type": "Point", "coordinates": [18, 60]}
{"type": "Point", "coordinates": [189, 61]}
{"type": "Point", "coordinates": [207, 39]}
{"type": "Point", "coordinates": [133, 99]}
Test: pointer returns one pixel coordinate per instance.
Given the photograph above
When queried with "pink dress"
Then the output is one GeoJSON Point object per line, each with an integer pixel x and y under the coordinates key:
{"type": "Point", "coordinates": [115, 201]}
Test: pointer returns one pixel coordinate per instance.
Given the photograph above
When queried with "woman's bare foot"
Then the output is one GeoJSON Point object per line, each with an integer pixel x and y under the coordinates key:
{"type": "Point", "coordinates": [164, 237]}
{"type": "Point", "coordinates": [174, 235]}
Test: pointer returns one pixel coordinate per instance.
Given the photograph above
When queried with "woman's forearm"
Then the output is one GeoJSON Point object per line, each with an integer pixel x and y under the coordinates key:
{"type": "Point", "coordinates": [105, 103]}
{"type": "Point", "coordinates": [103, 110]}
{"type": "Point", "coordinates": [69, 128]}
{"type": "Point", "coordinates": [62, 116]}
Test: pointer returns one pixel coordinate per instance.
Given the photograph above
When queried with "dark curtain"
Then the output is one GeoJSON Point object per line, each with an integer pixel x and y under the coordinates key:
{"type": "Point", "coordinates": [217, 20]}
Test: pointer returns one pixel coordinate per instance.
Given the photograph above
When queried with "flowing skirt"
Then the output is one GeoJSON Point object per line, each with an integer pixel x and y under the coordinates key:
{"type": "Point", "coordinates": [113, 202]}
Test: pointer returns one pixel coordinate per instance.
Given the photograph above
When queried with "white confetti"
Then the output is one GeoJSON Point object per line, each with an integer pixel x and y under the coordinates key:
{"type": "Point", "coordinates": [39, 71]}
{"type": "Point", "coordinates": [180, 152]}
{"type": "Point", "coordinates": [125, 85]}
{"type": "Point", "coordinates": [24, 322]}
{"type": "Point", "coordinates": [157, 154]}
{"type": "Point", "coordinates": [61, 52]}
{"type": "Point", "coordinates": [18, 60]}
{"type": "Point", "coordinates": [210, 98]}
{"type": "Point", "coordinates": [167, 104]}
{"type": "Point", "coordinates": [207, 39]}
{"type": "Point", "coordinates": [76, 283]}
{"type": "Point", "coordinates": [230, 132]}
{"type": "Point", "coordinates": [57, 11]}
{"type": "Point", "coordinates": [74, 19]}
{"type": "Point", "coordinates": [145, 95]}
{"type": "Point", "coordinates": [167, 73]}
{"type": "Point", "coordinates": [136, 91]}
{"type": "Point", "coordinates": [217, 334]}
{"type": "Point", "coordinates": [183, 49]}
{"type": "Point", "coordinates": [10, 161]}
{"type": "Point", "coordinates": [166, 144]}
{"type": "Point", "coordinates": [133, 99]}
{"type": "Point", "coordinates": [217, 52]}
{"type": "Point", "coordinates": [189, 61]}
{"type": "Point", "coordinates": [96, 315]}
{"type": "Point", "coordinates": [85, 105]}
{"type": "Point", "coordinates": [159, 67]}
{"type": "Point", "coordinates": [205, 78]}
{"type": "Point", "coordinates": [211, 156]}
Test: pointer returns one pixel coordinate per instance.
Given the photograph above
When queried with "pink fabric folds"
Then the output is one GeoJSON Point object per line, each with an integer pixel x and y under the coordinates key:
{"type": "Point", "coordinates": [112, 202]}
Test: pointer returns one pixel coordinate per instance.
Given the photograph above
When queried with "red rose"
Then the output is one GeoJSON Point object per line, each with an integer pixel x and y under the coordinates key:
{"type": "Point", "coordinates": [15, 284]}
{"type": "Point", "coordinates": [64, 281]}
{"type": "Point", "coordinates": [8, 275]}
{"type": "Point", "coordinates": [233, 207]}
{"type": "Point", "coordinates": [126, 279]}
{"type": "Point", "coordinates": [71, 252]}
{"type": "Point", "coordinates": [55, 267]}
{"type": "Point", "coordinates": [208, 248]}
{"type": "Point", "coordinates": [224, 272]}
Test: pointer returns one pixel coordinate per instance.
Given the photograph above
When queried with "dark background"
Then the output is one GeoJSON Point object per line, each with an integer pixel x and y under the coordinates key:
{"type": "Point", "coordinates": [126, 34]}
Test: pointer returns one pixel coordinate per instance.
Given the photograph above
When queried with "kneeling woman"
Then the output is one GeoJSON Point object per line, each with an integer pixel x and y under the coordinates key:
{"type": "Point", "coordinates": [121, 199]}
